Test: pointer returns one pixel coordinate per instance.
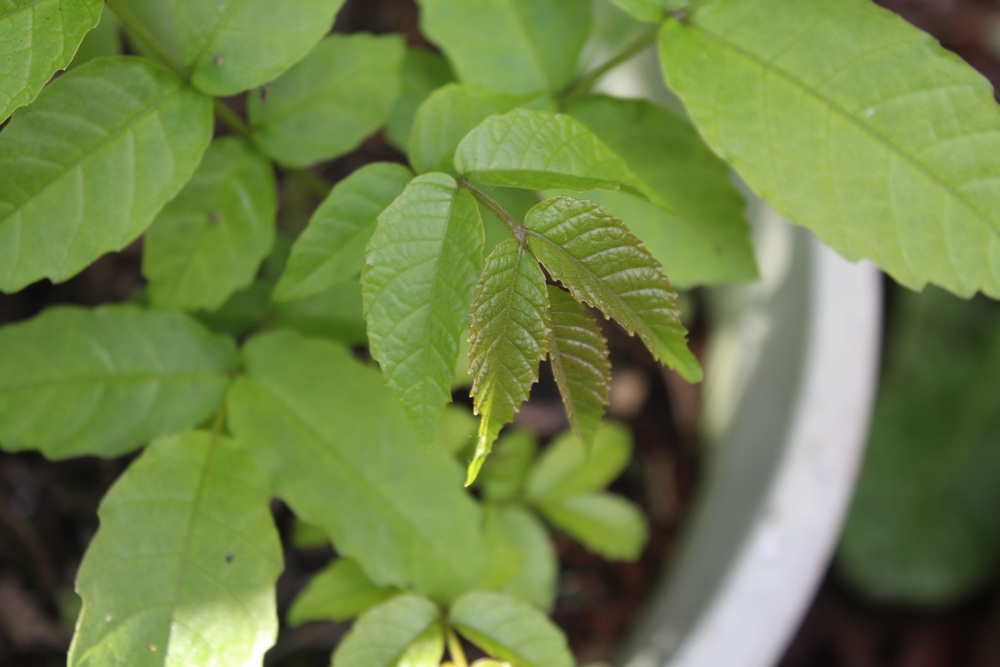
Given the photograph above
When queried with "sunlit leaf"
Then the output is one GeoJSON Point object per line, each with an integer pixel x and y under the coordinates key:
{"type": "Point", "coordinates": [386, 635]}
{"type": "Point", "coordinates": [337, 593]}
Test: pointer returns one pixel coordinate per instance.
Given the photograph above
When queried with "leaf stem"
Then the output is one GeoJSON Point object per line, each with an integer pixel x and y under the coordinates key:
{"type": "Point", "coordinates": [455, 651]}
{"type": "Point", "coordinates": [149, 40]}
{"type": "Point", "coordinates": [230, 118]}
{"type": "Point", "coordinates": [513, 226]}
{"type": "Point", "coordinates": [582, 86]}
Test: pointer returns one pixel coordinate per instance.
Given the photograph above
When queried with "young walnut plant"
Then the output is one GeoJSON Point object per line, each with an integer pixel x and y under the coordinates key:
{"type": "Point", "coordinates": [517, 215]}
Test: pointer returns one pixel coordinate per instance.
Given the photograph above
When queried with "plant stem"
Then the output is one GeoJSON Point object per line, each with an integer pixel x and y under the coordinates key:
{"type": "Point", "coordinates": [230, 118]}
{"type": "Point", "coordinates": [142, 33]}
{"type": "Point", "coordinates": [583, 85]}
{"type": "Point", "coordinates": [513, 226]}
{"type": "Point", "coordinates": [455, 651]}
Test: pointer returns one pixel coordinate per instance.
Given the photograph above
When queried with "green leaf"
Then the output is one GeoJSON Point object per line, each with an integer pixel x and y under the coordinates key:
{"type": "Point", "coordinates": [183, 568]}
{"type": "Point", "coordinates": [510, 630]}
{"type": "Point", "coordinates": [337, 593]}
{"type": "Point", "coordinates": [707, 239]}
{"type": "Point", "coordinates": [419, 279]}
{"type": "Point", "coordinates": [504, 473]}
{"type": "Point", "coordinates": [385, 636]}
{"type": "Point", "coordinates": [598, 259]}
{"type": "Point", "coordinates": [651, 11]}
{"type": "Point", "coordinates": [38, 38]}
{"type": "Point", "coordinates": [334, 314]}
{"type": "Point", "coordinates": [456, 429]}
{"type": "Point", "coordinates": [157, 19]}
{"type": "Point", "coordinates": [411, 523]}
{"type": "Point", "coordinates": [605, 523]}
{"type": "Point", "coordinates": [75, 382]}
{"type": "Point", "coordinates": [852, 123]}
{"type": "Point", "coordinates": [511, 46]}
{"type": "Point", "coordinates": [422, 72]}
{"type": "Point", "coordinates": [343, 91]}
{"type": "Point", "coordinates": [537, 577]}
{"type": "Point", "coordinates": [89, 165]}
{"type": "Point", "coordinates": [539, 150]}
{"type": "Point", "coordinates": [508, 341]}
{"type": "Point", "coordinates": [104, 40]}
{"type": "Point", "coordinates": [234, 45]}
{"type": "Point", "coordinates": [567, 467]}
{"type": "Point", "coordinates": [922, 530]}
{"type": "Point", "coordinates": [331, 249]}
{"type": "Point", "coordinates": [209, 241]}
{"type": "Point", "coordinates": [580, 364]}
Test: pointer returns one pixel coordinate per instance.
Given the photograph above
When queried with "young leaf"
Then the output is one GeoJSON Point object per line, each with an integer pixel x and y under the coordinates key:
{"type": "Point", "coordinates": [183, 567]}
{"type": "Point", "coordinates": [422, 72]}
{"type": "Point", "coordinates": [209, 241]}
{"type": "Point", "coordinates": [569, 468]}
{"type": "Point", "coordinates": [327, 104]}
{"type": "Point", "coordinates": [508, 341]}
{"type": "Point", "coordinates": [599, 260]}
{"type": "Point", "coordinates": [75, 382]}
{"type": "Point", "coordinates": [707, 239]}
{"type": "Point", "coordinates": [339, 592]}
{"type": "Point", "coordinates": [385, 635]}
{"type": "Point", "coordinates": [411, 523]}
{"type": "Point", "coordinates": [852, 123]}
{"type": "Point", "coordinates": [418, 283]}
{"type": "Point", "coordinates": [38, 38]}
{"type": "Point", "coordinates": [537, 578]}
{"type": "Point", "coordinates": [510, 630]}
{"type": "Point", "coordinates": [540, 150]}
{"type": "Point", "coordinates": [604, 523]}
{"type": "Point", "coordinates": [91, 162]}
{"type": "Point", "coordinates": [234, 45]}
{"type": "Point", "coordinates": [532, 45]}
{"type": "Point", "coordinates": [504, 473]}
{"type": "Point", "coordinates": [580, 364]}
{"type": "Point", "coordinates": [331, 249]}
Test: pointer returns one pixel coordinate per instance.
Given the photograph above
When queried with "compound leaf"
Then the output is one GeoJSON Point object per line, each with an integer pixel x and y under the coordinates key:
{"type": "Point", "coordinates": [38, 38]}
{"type": "Point", "coordinates": [852, 123]}
{"type": "Point", "coordinates": [75, 381]}
{"type": "Point", "coordinates": [512, 46]}
{"type": "Point", "coordinates": [386, 635]}
{"type": "Point", "coordinates": [510, 630]}
{"type": "Point", "coordinates": [508, 341]}
{"type": "Point", "coordinates": [411, 522]}
{"type": "Point", "coordinates": [580, 364]}
{"type": "Point", "coordinates": [90, 163]}
{"type": "Point", "coordinates": [538, 575]}
{"type": "Point", "coordinates": [419, 279]}
{"type": "Point", "coordinates": [331, 249]}
{"type": "Point", "coordinates": [569, 468]}
{"type": "Point", "coordinates": [209, 241]}
{"type": "Point", "coordinates": [338, 592]}
{"type": "Point", "coordinates": [183, 567]}
{"type": "Point", "coordinates": [599, 260]}
{"type": "Point", "coordinates": [234, 45]}
{"type": "Point", "coordinates": [327, 104]}
{"type": "Point", "coordinates": [422, 72]}
{"type": "Point", "coordinates": [604, 523]}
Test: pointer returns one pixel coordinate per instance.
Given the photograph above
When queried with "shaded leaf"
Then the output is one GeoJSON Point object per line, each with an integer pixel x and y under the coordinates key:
{"type": "Point", "coordinates": [157, 18]}
{"type": "Point", "coordinates": [598, 259]}
{"type": "Point", "coordinates": [605, 523]}
{"type": "Point", "coordinates": [385, 635]}
{"type": "Point", "coordinates": [334, 314]}
{"type": "Point", "coordinates": [327, 104]}
{"type": "Point", "coordinates": [183, 568]}
{"type": "Point", "coordinates": [104, 381]}
{"type": "Point", "coordinates": [536, 579]}
{"type": "Point", "coordinates": [567, 467]}
{"type": "Point", "coordinates": [505, 472]}
{"type": "Point", "coordinates": [456, 429]}
{"type": "Point", "coordinates": [512, 46]}
{"type": "Point", "coordinates": [91, 162]}
{"type": "Point", "coordinates": [104, 40]}
{"type": "Point", "coordinates": [209, 241]}
{"type": "Point", "coordinates": [651, 11]}
{"type": "Point", "coordinates": [234, 45]}
{"type": "Point", "coordinates": [422, 72]}
{"type": "Point", "coordinates": [852, 123]}
{"type": "Point", "coordinates": [38, 38]}
{"type": "Point", "coordinates": [419, 279]}
{"type": "Point", "coordinates": [331, 249]}
{"type": "Point", "coordinates": [511, 630]}
{"type": "Point", "coordinates": [411, 523]}
{"type": "Point", "coordinates": [580, 364]}
{"type": "Point", "coordinates": [508, 341]}
{"type": "Point", "coordinates": [338, 592]}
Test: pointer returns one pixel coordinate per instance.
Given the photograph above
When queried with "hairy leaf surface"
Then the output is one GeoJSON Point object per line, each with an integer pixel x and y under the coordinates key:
{"type": "Point", "coordinates": [75, 382]}
{"type": "Point", "coordinates": [538, 575]}
{"type": "Point", "coordinates": [327, 104]}
{"type": "Point", "coordinates": [234, 45]}
{"type": "Point", "coordinates": [510, 630]}
{"type": "Point", "coordinates": [422, 72]}
{"type": "Point", "coordinates": [512, 46]}
{"type": "Point", "coordinates": [605, 523]}
{"type": "Point", "coordinates": [337, 593]}
{"type": "Point", "coordinates": [508, 340]}
{"type": "Point", "coordinates": [183, 568]}
{"type": "Point", "coordinates": [580, 363]}
{"type": "Point", "coordinates": [419, 279]}
{"type": "Point", "coordinates": [569, 468]}
{"type": "Point", "coordinates": [385, 636]}
{"type": "Point", "coordinates": [331, 249]}
{"type": "Point", "coordinates": [599, 260]}
{"type": "Point", "coordinates": [209, 241]}
{"type": "Point", "coordinates": [411, 522]}
{"type": "Point", "coordinates": [852, 123]}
